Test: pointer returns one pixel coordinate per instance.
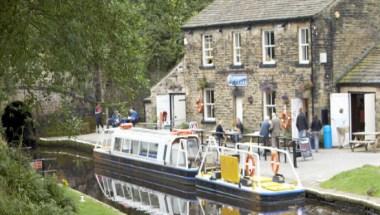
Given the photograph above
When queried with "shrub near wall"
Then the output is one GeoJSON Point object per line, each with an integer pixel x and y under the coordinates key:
{"type": "Point", "coordinates": [23, 191]}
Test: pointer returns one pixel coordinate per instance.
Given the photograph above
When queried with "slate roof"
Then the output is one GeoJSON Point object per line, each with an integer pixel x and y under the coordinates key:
{"type": "Point", "coordinates": [367, 71]}
{"type": "Point", "coordinates": [224, 12]}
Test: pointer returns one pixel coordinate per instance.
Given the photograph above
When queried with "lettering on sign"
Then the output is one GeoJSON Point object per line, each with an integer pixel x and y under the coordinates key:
{"type": "Point", "coordinates": [237, 80]}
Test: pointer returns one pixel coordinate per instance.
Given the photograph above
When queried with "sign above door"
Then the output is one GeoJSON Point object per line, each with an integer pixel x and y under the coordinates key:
{"type": "Point", "coordinates": [237, 80]}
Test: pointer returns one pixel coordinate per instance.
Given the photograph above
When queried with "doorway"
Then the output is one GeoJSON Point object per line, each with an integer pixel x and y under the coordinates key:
{"type": "Point", "coordinates": [239, 108]}
{"type": "Point", "coordinates": [357, 112]}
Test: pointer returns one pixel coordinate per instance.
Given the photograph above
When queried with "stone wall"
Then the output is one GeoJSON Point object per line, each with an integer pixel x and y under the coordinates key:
{"type": "Point", "coordinates": [346, 31]}
{"type": "Point", "coordinates": [173, 82]}
{"type": "Point", "coordinates": [287, 74]}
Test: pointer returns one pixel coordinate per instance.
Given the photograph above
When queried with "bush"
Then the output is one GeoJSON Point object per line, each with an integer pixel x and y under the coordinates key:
{"type": "Point", "coordinates": [23, 191]}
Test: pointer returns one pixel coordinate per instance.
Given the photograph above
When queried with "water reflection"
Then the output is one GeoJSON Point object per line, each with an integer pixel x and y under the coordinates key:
{"type": "Point", "coordinates": [79, 170]}
{"type": "Point", "coordinates": [126, 191]}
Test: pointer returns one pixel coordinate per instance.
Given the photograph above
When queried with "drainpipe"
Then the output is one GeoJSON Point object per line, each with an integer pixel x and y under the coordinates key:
{"type": "Point", "coordinates": [313, 79]}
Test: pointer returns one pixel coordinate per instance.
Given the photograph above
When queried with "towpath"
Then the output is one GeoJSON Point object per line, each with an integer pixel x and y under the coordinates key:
{"type": "Point", "coordinates": [325, 164]}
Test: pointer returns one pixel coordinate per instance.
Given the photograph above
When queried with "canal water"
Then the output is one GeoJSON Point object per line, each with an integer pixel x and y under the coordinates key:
{"type": "Point", "coordinates": [134, 197]}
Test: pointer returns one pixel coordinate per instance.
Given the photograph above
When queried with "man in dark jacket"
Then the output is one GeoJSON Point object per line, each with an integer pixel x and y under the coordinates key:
{"type": "Point", "coordinates": [301, 124]}
{"type": "Point", "coordinates": [316, 127]}
{"type": "Point", "coordinates": [265, 130]}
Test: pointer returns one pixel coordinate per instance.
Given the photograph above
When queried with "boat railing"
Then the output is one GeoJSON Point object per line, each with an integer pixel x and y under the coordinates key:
{"type": "Point", "coordinates": [255, 148]}
{"type": "Point", "coordinates": [106, 140]}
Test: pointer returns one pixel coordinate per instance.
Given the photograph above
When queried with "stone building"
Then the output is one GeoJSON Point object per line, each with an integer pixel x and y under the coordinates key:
{"type": "Point", "coordinates": [250, 58]}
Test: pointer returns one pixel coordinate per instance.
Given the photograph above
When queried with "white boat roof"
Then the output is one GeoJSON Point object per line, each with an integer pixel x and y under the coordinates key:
{"type": "Point", "coordinates": [143, 134]}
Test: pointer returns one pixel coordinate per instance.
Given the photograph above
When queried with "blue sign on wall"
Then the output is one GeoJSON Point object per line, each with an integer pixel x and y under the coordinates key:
{"type": "Point", "coordinates": [237, 80]}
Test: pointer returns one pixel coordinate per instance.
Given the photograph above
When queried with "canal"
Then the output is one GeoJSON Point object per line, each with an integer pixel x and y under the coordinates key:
{"type": "Point", "coordinates": [134, 197]}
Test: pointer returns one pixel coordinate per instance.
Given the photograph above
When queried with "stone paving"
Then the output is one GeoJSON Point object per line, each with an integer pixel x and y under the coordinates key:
{"type": "Point", "coordinates": [312, 171]}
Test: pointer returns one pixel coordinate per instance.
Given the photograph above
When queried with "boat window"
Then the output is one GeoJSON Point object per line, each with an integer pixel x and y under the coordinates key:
{"type": "Point", "coordinates": [117, 144]}
{"type": "Point", "coordinates": [144, 197]}
{"type": "Point", "coordinates": [144, 149]}
{"type": "Point", "coordinates": [126, 146]}
{"type": "Point", "coordinates": [135, 147]}
{"type": "Point", "coordinates": [177, 155]}
{"type": "Point", "coordinates": [154, 200]}
{"type": "Point", "coordinates": [136, 194]}
{"type": "Point", "coordinates": [127, 192]}
{"type": "Point", "coordinates": [153, 148]}
{"type": "Point", "coordinates": [178, 206]}
{"type": "Point", "coordinates": [192, 148]}
{"type": "Point", "coordinates": [119, 190]}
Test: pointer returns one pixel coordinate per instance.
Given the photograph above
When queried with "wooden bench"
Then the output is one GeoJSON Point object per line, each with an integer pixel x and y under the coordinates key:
{"type": "Point", "coordinates": [357, 143]}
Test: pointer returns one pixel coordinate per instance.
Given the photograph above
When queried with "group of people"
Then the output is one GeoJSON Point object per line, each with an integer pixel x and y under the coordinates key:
{"type": "Point", "coordinates": [270, 129]}
{"type": "Point", "coordinates": [116, 119]}
{"type": "Point", "coordinates": [220, 134]}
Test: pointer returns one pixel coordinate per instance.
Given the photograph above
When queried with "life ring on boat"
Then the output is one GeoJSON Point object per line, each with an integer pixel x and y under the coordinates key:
{"type": "Point", "coordinates": [286, 120]}
{"type": "Point", "coordinates": [181, 132]}
{"type": "Point", "coordinates": [275, 162]}
{"type": "Point", "coordinates": [250, 165]}
{"type": "Point", "coordinates": [126, 125]}
{"type": "Point", "coordinates": [199, 105]}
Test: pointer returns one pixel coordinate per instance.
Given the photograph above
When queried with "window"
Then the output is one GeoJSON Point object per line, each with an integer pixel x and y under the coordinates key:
{"type": "Point", "coordinates": [117, 144]}
{"type": "Point", "coordinates": [135, 147]}
{"type": "Point", "coordinates": [126, 146]}
{"type": "Point", "coordinates": [269, 103]}
{"type": "Point", "coordinates": [144, 147]}
{"type": "Point", "coordinates": [304, 44]}
{"type": "Point", "coordinates": [237, 49]}
{"type": "Point", "coordinates": [207, 50]}
{"type": "Point", "coordinates": [209, 113]}
{"type": "Point", "coordinates": [153, 148]}
{"type": "Point", "coordinates": [268, 48]}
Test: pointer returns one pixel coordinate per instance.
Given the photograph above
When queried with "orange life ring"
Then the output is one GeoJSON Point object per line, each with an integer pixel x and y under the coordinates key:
{"type": "Point", "coordinates": [250, 165]}
{"type": "Point", "coordinates": [286, 120]}
{"type": "Point", "coordinates": [199, 106]}
{"type": "Point", "coordinates": [275, 162]}
{"type": "Point", "coordinates": [126, 125]}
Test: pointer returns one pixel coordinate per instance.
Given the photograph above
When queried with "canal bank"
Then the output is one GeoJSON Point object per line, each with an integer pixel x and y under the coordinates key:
{"type": "Point", "coordinates": [312, 172]}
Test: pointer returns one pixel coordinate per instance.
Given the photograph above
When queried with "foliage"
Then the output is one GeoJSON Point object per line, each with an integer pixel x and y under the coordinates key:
{"type": "Point", "coordinates": [23, 190]}
{"type": "Point", "coordinates": [362, 181]}
{"type": "Point", "coordinates": [90, 206]}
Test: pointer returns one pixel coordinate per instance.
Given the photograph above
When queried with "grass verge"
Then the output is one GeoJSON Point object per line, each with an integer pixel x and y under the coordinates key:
{"type": "Point", "coordinates": [90, 205]}
{"type": "Point", "coordinates": [362, 181]}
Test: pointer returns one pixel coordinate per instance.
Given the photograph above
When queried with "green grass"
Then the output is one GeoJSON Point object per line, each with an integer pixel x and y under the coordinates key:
{"type": "Point", "coordinates": [89, 206]}
{"type": "Point", "coordinates": [363, 181]}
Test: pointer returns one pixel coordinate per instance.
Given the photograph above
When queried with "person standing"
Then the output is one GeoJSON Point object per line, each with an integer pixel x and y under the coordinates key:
{"type": "Point", "coordinates": [219, 133]}
{"type": "Point", "coordinates": [276, 129]}
{"type": "Point", "coordinates": [340, 122]}
{"type": "Point", "coordinates": [316, 127]}
{"type": "Point", "coordinates": [265, 130]}
{"type": "Point", "coordinates": [240, 128]}
{"type": "Point", "coordinates": [98, 117]}
{"type": "Point", "coordinates": [301, 124]}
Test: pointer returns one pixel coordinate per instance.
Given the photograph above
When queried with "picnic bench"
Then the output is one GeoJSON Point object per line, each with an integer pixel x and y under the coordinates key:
{"type": "Point", "coordinates": [364, 139]}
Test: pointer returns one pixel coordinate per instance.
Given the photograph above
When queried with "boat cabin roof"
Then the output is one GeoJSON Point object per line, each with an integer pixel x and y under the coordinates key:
{"type": "Point", "coordinates": [148, 135]}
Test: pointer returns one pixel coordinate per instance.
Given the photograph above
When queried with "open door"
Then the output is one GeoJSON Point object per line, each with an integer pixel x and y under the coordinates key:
{"type": "Point", "coordinates": [163, 105]}
{"type": "Point", "coordinates": [239, 108]}
{"type": "Point", "coordinates": [296, 104]}
{"type": "Point", "coordinates": [340, 101]}
{"type": "Point", "coordinates": [369, 115]}
{"type": "Point", "coordinates": [179, 109]}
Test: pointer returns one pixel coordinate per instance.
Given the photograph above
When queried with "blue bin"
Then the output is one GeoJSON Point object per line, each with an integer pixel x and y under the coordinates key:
{"type": "Point", "coordinates": [327, 137]}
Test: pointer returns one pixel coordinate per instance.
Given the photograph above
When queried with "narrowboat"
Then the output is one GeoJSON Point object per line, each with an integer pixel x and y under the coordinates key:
{"type": "Point", "coordinates": [242, 176]}
{"type": "Point", "coordinates": [158, 155]}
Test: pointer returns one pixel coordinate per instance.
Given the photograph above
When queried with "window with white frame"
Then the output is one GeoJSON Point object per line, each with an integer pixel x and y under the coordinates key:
{"type": "Point", "coordinates": [209, 104]}
{"type": "Point", "coordinates": [207, 50]}
{"type": "Point", "coordinates": [237, 48]}
{"type": "Point", "coordinates": [304, 46]}
{"type": "Point", "coordinates": [269, 56]}
{"type": "Point", "coordinates": [269, 103]}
